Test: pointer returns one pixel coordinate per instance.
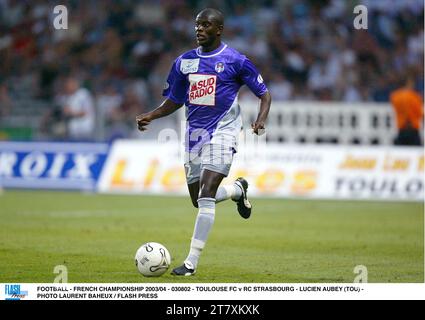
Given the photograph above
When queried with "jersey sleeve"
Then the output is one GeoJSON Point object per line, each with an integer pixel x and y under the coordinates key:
{"type": "Point", "coordinates": [176, 86]}
{"type": "Point", "coordinates": [252, 78]}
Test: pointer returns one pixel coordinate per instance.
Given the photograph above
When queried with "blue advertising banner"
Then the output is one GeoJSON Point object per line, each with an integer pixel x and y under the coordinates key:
{"type": "Point", "coordinates": [51, 165]}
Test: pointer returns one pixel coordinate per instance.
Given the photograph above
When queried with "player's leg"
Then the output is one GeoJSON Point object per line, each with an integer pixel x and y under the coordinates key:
{"type": "Point", "coordinates": [235, 191]}
{"type": "Point", "coordinates": [192, 168]}
{"type": "Point", "coordinates": [239, 189]}
{"type": "Point", "coordinates": [216, 163]}
{"type": "Point", "coordinates": [226, 192]}
{"type": "Point", "coordinates": [193, 173]}
{"type": "Point", "coordinates": [238, 192]}
{"type": "Point", "coordinates": [194, 193]}
{"type": "Point", "coordinates": [208, 183]}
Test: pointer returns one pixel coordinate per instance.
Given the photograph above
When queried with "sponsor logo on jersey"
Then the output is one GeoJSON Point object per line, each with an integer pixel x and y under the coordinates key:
{"type": "Point", "coordinates": [189, 65]}
{"type": "Point", "coordinates": [219, 67]}
{"type": "Point", "coordinates": [202, 89]}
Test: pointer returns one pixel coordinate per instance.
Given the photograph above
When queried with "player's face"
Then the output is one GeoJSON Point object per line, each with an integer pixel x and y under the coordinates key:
{"type": "Point", "coordinates": [206, 30]}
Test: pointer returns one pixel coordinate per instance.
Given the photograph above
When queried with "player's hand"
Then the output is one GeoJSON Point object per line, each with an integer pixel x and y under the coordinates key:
{"type": "Point", "coordinates": [258, 128]}
{"type": "Point", "coordinates": [143, 121]}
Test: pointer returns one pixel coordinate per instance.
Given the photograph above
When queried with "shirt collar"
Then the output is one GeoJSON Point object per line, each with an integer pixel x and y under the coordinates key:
{"type": "Point", "coordinates": [210, 53]}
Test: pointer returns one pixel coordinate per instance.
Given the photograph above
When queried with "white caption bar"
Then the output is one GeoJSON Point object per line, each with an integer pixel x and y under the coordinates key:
{"type": "Point", "coordinates": [221, 291]}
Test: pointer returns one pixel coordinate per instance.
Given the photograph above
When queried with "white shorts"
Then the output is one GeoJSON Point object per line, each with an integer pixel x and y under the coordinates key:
{"type": "Point", "coordinates": [213, 157]}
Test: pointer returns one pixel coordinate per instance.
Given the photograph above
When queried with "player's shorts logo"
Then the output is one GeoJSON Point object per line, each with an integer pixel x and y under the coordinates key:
{"type": "Point", "coordinates": [219, 67]}
{"type": "Point", "coordinates": [202, 89]}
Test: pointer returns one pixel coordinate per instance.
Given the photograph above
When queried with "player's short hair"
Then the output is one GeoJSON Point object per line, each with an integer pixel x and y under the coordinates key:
{"type": "Point", "coordinates": [216, 15]}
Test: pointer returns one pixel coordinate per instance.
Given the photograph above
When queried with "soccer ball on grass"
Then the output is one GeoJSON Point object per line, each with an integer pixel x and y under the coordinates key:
{"type": "Point", "coordinates": [152, 259]}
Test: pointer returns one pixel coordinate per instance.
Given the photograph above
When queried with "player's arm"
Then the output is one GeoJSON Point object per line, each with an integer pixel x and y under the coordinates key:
{"type": "Point", "coordinates": [259, 125]}
{"type": "Point", "coordinates": [252, 78]}
{"type": "Point", "coordinates": [166, 108]}
{"type": "Point", "coordinates": [175, 93]}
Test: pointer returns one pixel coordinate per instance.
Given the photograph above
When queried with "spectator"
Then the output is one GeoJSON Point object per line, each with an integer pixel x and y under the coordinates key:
{"type": "Point", "coordinates": [408, 108]}
{"type": "Point", "coordinates": [121, 124]}
{"type": "Point", "coordinates": [280, 88]}
{"type": "Point", "coordinates": [78, 109]}
{"type": "Point", "coordinates": [108, 103]}
{"type": "Point", "coordinates": [5, 101]}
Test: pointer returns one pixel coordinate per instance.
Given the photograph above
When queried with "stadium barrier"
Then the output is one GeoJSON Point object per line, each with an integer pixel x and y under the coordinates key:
{"type": "Point", "coordinates": [328, 122]}
{"type": "Point", "coordinates": [273, 170]}
{"type": "Point", "coordinates": [68, 166]}
{"type": "Point", "coordinates": [276, 170]}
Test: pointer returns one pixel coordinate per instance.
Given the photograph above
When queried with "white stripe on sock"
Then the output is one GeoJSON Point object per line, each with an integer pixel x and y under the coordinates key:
{"type": "Point", "coordinates": [198, 244]}
{"type": "Point", "coordinates": [206, 210]}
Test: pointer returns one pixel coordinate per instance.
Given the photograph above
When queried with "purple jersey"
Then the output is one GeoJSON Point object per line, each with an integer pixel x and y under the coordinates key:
{"type": "Point", "coordinates": [208, 85]}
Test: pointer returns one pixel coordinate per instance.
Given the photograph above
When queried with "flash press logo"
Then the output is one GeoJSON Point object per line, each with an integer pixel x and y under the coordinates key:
{"type": "Point", "coordinates": [14, 292]}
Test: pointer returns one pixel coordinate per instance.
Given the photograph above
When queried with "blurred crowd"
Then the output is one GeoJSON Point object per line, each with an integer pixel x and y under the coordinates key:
{"type": "Point", "coordinates": [121, 51]}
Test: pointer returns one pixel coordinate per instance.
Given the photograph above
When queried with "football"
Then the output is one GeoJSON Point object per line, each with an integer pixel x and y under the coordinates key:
{"type": "Point", "coordinates": [152, 259]}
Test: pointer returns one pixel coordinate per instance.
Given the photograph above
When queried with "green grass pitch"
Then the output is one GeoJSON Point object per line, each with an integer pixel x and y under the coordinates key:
{"type": "Point", "coordinates": [285, 241]}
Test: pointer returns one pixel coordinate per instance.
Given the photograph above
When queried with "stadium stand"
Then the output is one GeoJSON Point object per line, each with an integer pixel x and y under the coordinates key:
{"type": "Point", "coordinates": [308, 51]}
